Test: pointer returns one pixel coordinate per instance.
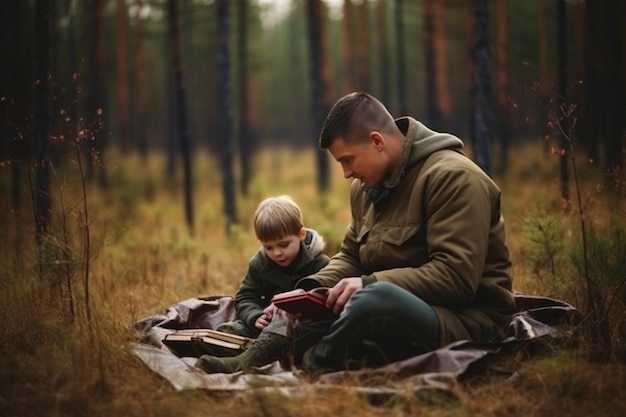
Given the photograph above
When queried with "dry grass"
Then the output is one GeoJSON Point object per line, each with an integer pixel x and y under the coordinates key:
{"type": "Point", "coordinates": [56, 363]}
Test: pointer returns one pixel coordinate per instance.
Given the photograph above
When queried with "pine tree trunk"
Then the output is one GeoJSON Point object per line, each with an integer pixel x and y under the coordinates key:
{"type": "Point", "coordinates": [432, 115]}
{"type": "Point", "coordinates": [503, 88]}
{"type": "Point", "coordinates": [471, 71]}
{"type": "Point", "coordinates": [613, 84]}
{"type": "Point", "coordinates": [225, 122]}
{"type": "Point", "coordinates": [384, 73]}
{"type": "Point", "coordinates": [141, 85]}
{"type": "Point", "coordinates": [348, 47]}
{"type": "Point", "coordinates": [245, 140]}
{"type": "Point", "coordinates": [41, 120]}
{"type": "Point", "coordinates": [320, 73]}
{"type": "Point", "coordinates": [403, 106]}
{"type": "Point", "coordinates": [544, 76]}
{"type": "Point", "coordinates": [483, 110]}
{"type": "Point", "coordinates": [564, 143]}
{"type": "Point", "coordinates": [176, 62]}
{"type": "Point", "coordinates": [593, 101]}
{"type": "Point", "coordinates": [122, 105]}
{"type": "Point", "coordinates": [444, 105]}
{"type": "Point", "coordinates": [363, 47]}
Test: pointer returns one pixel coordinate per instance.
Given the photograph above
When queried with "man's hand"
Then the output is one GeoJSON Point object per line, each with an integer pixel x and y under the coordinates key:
{"type": "Point", "coordinates": [339, 295]}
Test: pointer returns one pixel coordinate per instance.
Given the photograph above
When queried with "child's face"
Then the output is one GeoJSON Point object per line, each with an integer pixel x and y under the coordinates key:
{"type": "Point", "coordinates": [284, 251]}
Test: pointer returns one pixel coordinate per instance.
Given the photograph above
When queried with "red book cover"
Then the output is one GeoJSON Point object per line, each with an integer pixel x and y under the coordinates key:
{"type": "Point", "coordinates": [311, 304]}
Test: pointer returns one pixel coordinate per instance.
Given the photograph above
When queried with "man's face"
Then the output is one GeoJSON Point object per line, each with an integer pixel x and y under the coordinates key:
{"type": "Point", "coordinates": [364, 160]}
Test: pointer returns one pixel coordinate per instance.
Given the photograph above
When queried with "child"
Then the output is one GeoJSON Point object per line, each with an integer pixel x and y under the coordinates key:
{"type": "Point", "coordinates": [290, 252]}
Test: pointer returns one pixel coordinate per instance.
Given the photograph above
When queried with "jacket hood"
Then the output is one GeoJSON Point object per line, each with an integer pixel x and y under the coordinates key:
{"type": "Point", "coordinates": [313, 244]}
{"type": "Point", "coordinates": [420, 143]}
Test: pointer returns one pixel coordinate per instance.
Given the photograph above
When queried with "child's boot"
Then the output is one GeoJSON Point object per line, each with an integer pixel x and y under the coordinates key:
{"type": "Point", "coordinates": [267, 348]}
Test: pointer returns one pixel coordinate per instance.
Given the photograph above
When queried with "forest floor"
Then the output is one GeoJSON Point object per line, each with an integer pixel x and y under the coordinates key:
{"type": "Point", "coordinates": [67, 323]}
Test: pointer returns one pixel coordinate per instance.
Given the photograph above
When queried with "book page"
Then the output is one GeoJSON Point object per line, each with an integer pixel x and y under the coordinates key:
{"type": "Point", "coordinates": [288, 294]}
{"type": "Point", "coordinates": [189, 334]}
{"type": "Point", "coordinates": [321, 292]}
{"type": "Point", "coordinates": [213, 341]}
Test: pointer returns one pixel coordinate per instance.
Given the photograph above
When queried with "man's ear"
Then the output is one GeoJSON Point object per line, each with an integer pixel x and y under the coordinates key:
{"type": "Point", "coordinates": [377, 139]}
{"type": "Point", "coordinates": [302, 234]}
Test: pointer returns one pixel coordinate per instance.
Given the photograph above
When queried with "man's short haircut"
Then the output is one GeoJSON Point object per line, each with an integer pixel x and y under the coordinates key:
{"type": "Point", "coordinates": [276, 218]}
{"type": "Point", "coordinates": [353, 117]}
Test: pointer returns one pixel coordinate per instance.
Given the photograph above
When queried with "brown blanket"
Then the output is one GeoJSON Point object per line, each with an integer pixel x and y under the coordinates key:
{"type": "Point", "coordinates": [537, 318]}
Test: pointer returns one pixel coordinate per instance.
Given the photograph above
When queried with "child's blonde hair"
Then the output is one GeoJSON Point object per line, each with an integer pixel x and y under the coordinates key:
{"type": "Point", "coordinates": [276, 218]}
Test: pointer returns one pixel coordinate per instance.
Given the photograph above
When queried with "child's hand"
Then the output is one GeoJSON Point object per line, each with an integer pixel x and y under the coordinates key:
{"type": "Point", "coordinates": [269, 311]}
{"type": "Point", "coordinates": [262, 322]}
{"type": "Point", "coordinates": [265, 318]}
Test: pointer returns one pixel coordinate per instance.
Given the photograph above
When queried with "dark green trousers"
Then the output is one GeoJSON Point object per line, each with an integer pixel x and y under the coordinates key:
{"type": "Point", "coordinates": [381, 323]}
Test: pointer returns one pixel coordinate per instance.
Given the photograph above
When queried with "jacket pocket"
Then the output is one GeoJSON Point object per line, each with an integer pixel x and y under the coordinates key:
{"type": "Point", "coordinates": [398, 235]}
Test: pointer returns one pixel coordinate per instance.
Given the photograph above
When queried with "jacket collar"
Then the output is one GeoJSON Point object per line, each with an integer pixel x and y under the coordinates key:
{"type": "Point", "coordinates": [420, 143]}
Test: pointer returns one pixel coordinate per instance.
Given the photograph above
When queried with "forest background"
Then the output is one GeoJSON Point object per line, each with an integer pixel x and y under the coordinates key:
{"type": "Point", "coordinates": [138, 136]}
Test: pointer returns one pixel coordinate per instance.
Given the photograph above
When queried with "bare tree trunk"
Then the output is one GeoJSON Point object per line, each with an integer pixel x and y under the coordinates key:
{"type": "Point", "coordinates": [225, 122]}
{"type": "Point", "coordinates": [471, 65]}
{"type": "Point", "coordinates": [71, 13]}
{"type": "Point", "coordinates": [403, 105]}
{"type": "Point", "coordinates": [444, 103]}
{"type": "Point", "coordinates": [437, 90]}
{"type": "Point", "coordinates": [545, 88]}
{"type": "Point", "coordinates": [562, 64]}
{"type": "Point", "coordinates": [348, 47]}
{"type": "Point", "coordinates": [503, 85]}
{"type": "Point", "coordinates": [613, 85]}
{"type": "Point", "coordinates": [122, 106]}
{"type": "Point", "coordinates": [41, 120]}
{"type": "Point", "coordinates": [384, 74]}
{"type": "Point", "coordinates": [428, 19]}
{"type": "Point", "coordinates": [12, 144]}
{"type": "Point", "coordinates": [176, 61]}
{"type": "Point", "coordinates": [246, 144]}
{"type": "Point", "coordinates": [94, 147]}
{"type": "Point", "coordinates": [173, 138]}
{"type": "Point", "coordinates": [141, 84]}
{"type": "Point", "coordinates": [593, 95]}
{"type": "Point", "coordinates": [483, 110]}
{"type": "Point", "coordinates": [363, 47]}
{"type": "Point", "coordinates": [320, 72]}
{"type": "Point", "coordinates": [578, 12]}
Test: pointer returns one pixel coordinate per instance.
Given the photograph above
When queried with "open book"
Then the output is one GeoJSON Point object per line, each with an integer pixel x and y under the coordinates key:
{"type": "Point", "coordinates": [311, 304]}
{"type": "Point", "coordinates": [196, 342]}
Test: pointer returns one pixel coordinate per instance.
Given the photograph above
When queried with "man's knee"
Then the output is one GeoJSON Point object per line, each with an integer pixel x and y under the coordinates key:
{"type": "Point", "coordinates": [371, 300]}
{"type": "Point", "coordinates": [376, 295]}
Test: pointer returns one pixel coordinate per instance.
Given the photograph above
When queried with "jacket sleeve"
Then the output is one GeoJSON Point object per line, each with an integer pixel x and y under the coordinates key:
{"type": "Point", "coordinates": [460, 208]}
{"type": "Point", "coordinates": [309, 282]}
{"type": "Point", "coordinates": [249, 300]}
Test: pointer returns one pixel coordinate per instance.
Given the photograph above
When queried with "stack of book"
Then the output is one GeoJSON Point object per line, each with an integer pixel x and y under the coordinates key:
{"type": "Point", "coordinates": [197, 342]}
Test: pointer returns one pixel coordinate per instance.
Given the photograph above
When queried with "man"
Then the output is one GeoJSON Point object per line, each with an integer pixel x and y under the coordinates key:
{"type": "Point", "coordinates": [424, 260]}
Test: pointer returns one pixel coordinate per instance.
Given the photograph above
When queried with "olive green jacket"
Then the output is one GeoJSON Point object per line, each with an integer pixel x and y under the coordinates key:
{"type": "Point", "coordinates": [264, 277]}
{"type": "Point", "coordinates": [435, 228]}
